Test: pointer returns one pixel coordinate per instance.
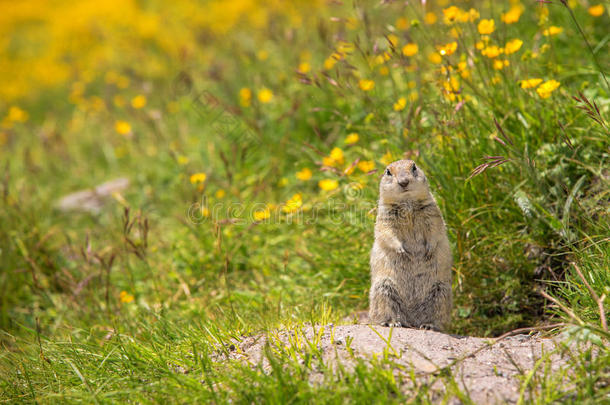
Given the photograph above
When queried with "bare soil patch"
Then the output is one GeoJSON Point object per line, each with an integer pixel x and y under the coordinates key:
{"type": "Point", "coordinates": [489, 370]}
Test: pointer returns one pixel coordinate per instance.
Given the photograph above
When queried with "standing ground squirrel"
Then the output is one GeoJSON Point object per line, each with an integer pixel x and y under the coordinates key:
{"type": "Point", "coordinates": [411, 257]}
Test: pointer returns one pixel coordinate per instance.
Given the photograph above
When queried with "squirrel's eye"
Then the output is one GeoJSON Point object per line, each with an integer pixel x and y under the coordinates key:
{"type": "Point", "coordinates": [387, 172]}
{"type": "Point", "coordinates": [414, 169]}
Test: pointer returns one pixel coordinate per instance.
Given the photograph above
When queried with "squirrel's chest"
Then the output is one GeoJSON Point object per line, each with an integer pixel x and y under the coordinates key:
{"type": "Point", "coordinates": [411, 229]}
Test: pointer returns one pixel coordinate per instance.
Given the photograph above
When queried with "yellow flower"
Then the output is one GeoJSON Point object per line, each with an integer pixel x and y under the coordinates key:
{"type": "Point", "coordinates": [492, 51]}
{"type": "Point", "coordinates": [122, 127]}
{"type": "Point", "coordinates": [352, 138]}
{"type": "Point", "coordinates": [262, 214]}
{"type": "Point", "coordinates": [182, 160]}
{"type": "Point", "coordinates": [513, 46]}
{"type": "Point", "coordinates": [245, 96]}
{"type": "Point", "coordinates": [546, 88]}
{"type": "Point", "coordinates": [337, 155]}
{"type": "Point", "coordinates": [447, 49]}
{"type": "Point", "coordinates": [366, 85]}
{"type": "Point", "coordinates": [402, 23]}
{"type": "Point", "coordinates": [138, 101]}
{"type": "Point", "coordinates": [387, 158]}
{"type": "Point", "coordinates": [304, 174]}
{"type": "Point", "coordinates": [500, 64]}
{"type": "Point", "coordinates": [366, 165]}
{"type": "Point", "coordinates": [125, 297]}
{"type": "Point", "coordinates": [430, 18]}
{"type": "Point", "coordinates": [262, 54]}
{"type": "Point", "coordinates": [293, 204]}
{"type": "Point", "coordinates": [473, 15]}
{"type": "Point", "coordinates": [330, 62]}
{"type": "Point", "coordinates": [410, 49]}
{"type": "Point", "coordinates": [198, 178]}
{"type": "Point", "coordinates": [486, 27]}
{"type": "Point", "coordinates": [393, 39]}
{"type": "Point", "coordinates": [552, 30]}
{"type": "Point", "coordinates": [16, 114]}
{"type": "Point", "coordinates": [596, 10]}
{"type": "Point", "coordinates": [451, 14]}
{"type": "Point", "coordinates": [304, 67]}
{"type": "Point", "coordinates": [265, 95]}
{"type": "Point", "coordinates": [435, 58]}
{"type": "Point", "coordinates": [220, 193]}
{"type": "Point", "coordinates": [400, 104]}
{"type": "Point", "coordinates": [512, 15]}
{"type": "Point", "coordinates": [328, 184]}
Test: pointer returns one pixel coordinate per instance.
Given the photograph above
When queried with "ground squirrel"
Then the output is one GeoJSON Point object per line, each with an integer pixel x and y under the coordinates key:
{"type": "Point", "coordinates": [411, 257]}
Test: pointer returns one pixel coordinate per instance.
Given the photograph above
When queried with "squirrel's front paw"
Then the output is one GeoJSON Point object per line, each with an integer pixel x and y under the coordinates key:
{"type": "Point", "coordinates": [392, 324]}
{"type": "Point", "coordinates": [402, 250]}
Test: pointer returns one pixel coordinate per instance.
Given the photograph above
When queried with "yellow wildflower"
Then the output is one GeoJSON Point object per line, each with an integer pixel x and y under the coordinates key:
{"type": "Point", "coordinates": [500, 64]}
{"type": "Point", "coordinates": [125, 297]}
{"type": "Point", "coordinates": [329, 63]}
{"type": "Point", "coordinates": [402, 23]}
{"type": "Point", "coordinates": [366, 85]}
{"type": "Point", "coordinates": [366, 165]}
{"type": "Point", "coordinates": [304, 67]}
{"type": "Point", "coordinates": [410, 49]}
{"type": "Point", "coordinates": [138, 101]}
{"type": "Point", "coordinates": [262, 214]}
{"type": "Point", "coordinates": [304, 174]}
{"type": "Point", "coordinates": [387, 158]}
{"type": "Point", "coordinates": [473, 15]}
{"type": "Point", "coordinates": [596, 10]}
{"type": "Point", "coordinates": [512, 15]}
{"type": "Point", "coordinates": [220, 193]}
{"type": "Point", "coordinates": [546, 88]}
{"type": "Point", "coordinates": [492, 51]}
{"type": "Point", "coordinates": [430, 18]}
{"type": "Point", "coordinates": [451, 14]}
{"type": "Point", "coordinates": [345, 48]}
{"type": "Point", "coordinates": [262, 54]}
{"type": "Point", "coordinates": [328, 184]}
{"type": "Point", "coordinates": [435, 58]}
{"type": "Point", "coordinates": [486, 26]}
{"type": "Point", "coordinates": [182, 160]}
{"type": "Point", "coordinates": [513, 46]}
{"type": "Point", "coordinates": [245, 97]}
{"type": "Point", "coordinates": [198, 178]}
{"type": "Point", "coordinates": [413, 96]}
{"type": "Point", "coordinates": [392, 39]}
{"type": "Point", "coordinates": [552, 30]}
{"type": "Point", "coordinates": [352, 138]}
{"type": "Point", "coordinates": [265, 95]}
{"type": "Point", "coordinates": [16, 114]}
{"type": "Point", "coordinates": [400, 104]}
{"type": "Point", "coordinates": [293, 204]}
{"type": "Point", "coordinates": [337, 155]}
{"type": "Point", "coordinates": [447, 49]}
{"type": "Point", "coordinates": [122, 127]}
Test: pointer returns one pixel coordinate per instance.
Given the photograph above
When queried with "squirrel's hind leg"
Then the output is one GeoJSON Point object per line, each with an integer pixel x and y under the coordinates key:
{"type": "Point", "coordinates": [386, 305]}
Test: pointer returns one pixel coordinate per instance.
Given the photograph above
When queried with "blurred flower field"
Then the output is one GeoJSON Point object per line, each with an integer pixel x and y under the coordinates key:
{"type": "Point", "coordinates": [252, 134]}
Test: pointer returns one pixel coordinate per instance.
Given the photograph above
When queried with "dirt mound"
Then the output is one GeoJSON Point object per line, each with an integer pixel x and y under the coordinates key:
{"type": "Point", "coordinates": [489, 370]}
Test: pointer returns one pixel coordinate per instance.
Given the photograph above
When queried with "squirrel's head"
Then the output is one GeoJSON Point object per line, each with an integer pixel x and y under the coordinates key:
{"type": "Point", "coordinates": [402, 181]}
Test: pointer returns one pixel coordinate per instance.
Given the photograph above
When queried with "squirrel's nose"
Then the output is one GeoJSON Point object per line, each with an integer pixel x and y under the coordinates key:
{"type": "Point", "coordinates": [403, 182]}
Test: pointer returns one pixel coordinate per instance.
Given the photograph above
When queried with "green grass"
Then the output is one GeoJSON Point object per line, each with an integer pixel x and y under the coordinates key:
{"type": "Point", "coordinates": [197, 282]}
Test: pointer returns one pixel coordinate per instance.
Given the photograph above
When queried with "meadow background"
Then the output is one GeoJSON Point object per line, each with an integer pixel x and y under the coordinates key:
{"type": "Point", "coordinates": [253, 134]}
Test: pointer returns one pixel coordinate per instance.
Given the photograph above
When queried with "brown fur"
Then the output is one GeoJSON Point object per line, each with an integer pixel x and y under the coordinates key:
{"type": "Point", "coordinates": [411, 257]}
